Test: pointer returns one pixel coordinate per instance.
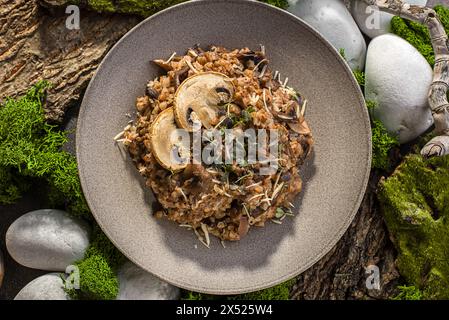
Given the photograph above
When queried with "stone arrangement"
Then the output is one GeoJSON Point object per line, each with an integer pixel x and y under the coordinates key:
{"type": "Point", "coordinates": [52, 240]}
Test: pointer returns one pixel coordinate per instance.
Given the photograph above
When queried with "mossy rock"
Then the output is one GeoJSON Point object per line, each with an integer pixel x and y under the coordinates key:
{"type": "Point", "coordinates": [415, 199]}
{"type": "Point", "coordinates": [144, 8]}
{"type": "Point", "coordinates": [415, 203]}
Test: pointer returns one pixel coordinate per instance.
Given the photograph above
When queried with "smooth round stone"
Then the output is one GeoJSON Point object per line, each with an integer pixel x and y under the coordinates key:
{"type": "Point", "coordinates": [398, 78]}
{"type": "Point", "coordinates": [332, 19]}
{"type": "Point", "coordinates": [373, 22]}
{"type": "Point", "coordinates": [138, 284]}
{"type": "Point", "coordinates": [47, 240]}
{"type": "Point", "coordinates": [2, 269]}
{"type": "Point", "coordinates": [46, 287]}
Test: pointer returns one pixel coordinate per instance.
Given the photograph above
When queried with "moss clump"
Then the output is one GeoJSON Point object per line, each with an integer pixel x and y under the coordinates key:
{"type": "Point", "coordinates": [278, 3]}
{"type": "Point", "coordinates": [98, 280]}
{"type": "Point", "coordinates": [191, 295]}
{"type": "Point", "coordinates": [359, 77]}
{"type": "Point", "coordinates": [102, 5]}
{"type": "Point", "coordinates": [342, 53]}
{"type": "Point", "coordinates": [408, 293]}
{"type": "Point", "coordinates": [417, 34]}
{"type": "Point", "coordinates": [145, 8]}
{"type": "Point", "coordinates": [11, 188]}
{"type": "Point", "coordinates": [279, 292]}
{"type": "Point", "coordinates": [30, 149]}
{"type": "Point", "coordinates": [382, 141]}
{"type": "Point", "coordinates": [415, 202]}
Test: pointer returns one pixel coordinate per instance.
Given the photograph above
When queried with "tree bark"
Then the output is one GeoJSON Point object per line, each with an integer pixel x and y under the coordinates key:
{"type": "Point", "coordinates": [37, 46]}
{"type": "Point", "coordinates": [341, 274]}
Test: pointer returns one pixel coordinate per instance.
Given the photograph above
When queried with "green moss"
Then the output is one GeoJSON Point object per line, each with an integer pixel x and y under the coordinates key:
{"type": "Point", "coordinates": [417, 34]}
{"type": "Point", "coordinates": [278, 3]}
{"type": "Point", "coordinates": [102, 5]}
{"type": "Point", "coordinates": [415, 202]}
{"type": "Point", "coordinates": [382, 141]}
{"type": "Point", "coordinates": [146, 8]}
{"type": "Point", "coordinates": [191, 295]}
{"type": "Point", "coordinates": [30, 148]}
{"type": "Point", "coordinates": [342, 53]}
{"type": "Point", "coordinates": [11, 188]}
{"type": "Point", "coordinates": [360, 77]}
{"type": "Point", "coordinates": [98, 280]}
{"type": "Point", "coordinates": [279, 292]}
{"type": "Point", "coordinates": [408, 293]}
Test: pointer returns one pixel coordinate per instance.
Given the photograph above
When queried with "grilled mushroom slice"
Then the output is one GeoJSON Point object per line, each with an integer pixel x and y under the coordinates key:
{"type": "Point", "coordinates": [198, 99]}
{"type": "Point", "coordinates": [170, 150]}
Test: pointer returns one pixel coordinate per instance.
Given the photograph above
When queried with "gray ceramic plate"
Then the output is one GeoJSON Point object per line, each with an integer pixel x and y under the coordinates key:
{"type": "Point", "coordinates": [335, 177]}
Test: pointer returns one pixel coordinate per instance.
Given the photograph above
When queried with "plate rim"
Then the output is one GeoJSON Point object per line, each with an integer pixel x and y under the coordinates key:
{"type": "Point", "coordinates": [327, 247]}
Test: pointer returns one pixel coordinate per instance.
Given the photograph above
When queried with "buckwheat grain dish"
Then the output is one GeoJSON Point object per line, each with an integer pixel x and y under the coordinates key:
{"type": "Point", "coordinates": [220, 91]}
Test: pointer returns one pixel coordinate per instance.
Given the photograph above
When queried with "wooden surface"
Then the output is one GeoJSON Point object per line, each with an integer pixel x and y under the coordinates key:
{"type": "Point", "coordinates": [341, 273]}
{"type": "Point", "coordinates": [37, 45]}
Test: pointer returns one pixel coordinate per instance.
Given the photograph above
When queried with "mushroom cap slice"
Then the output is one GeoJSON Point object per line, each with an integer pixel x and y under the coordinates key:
{"type": "Point", "coordinates": [199, 97]}
{"type": "Point", "coordinates": [169, 145]}
{"type": "Point", "coordinates": [300, 126]}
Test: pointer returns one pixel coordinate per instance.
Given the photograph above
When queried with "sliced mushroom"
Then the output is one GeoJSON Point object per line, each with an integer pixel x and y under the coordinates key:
{"type": "Point", "coordinates": [251, 58]}
{"type": "Point", "coordinates": [199, 98]}
{"type": "Point", "coordinates": [300, 126]}
{"type": "Point", "coordinates": [167, 143]}
{"type": "Point", "coordinates": [163, 64]}
{"type": "Point", "coordinates": [180, 74]}
{"type": "Point", "coordinates": [243, 226]}
{"type": "Point", "coordinates": [284, 117]}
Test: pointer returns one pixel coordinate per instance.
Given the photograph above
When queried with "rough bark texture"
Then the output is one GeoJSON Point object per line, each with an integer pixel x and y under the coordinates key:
{"type": "Point", "coordinates": [341, 273]}
{"type": "Point", "coordinates": [35, 45]}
